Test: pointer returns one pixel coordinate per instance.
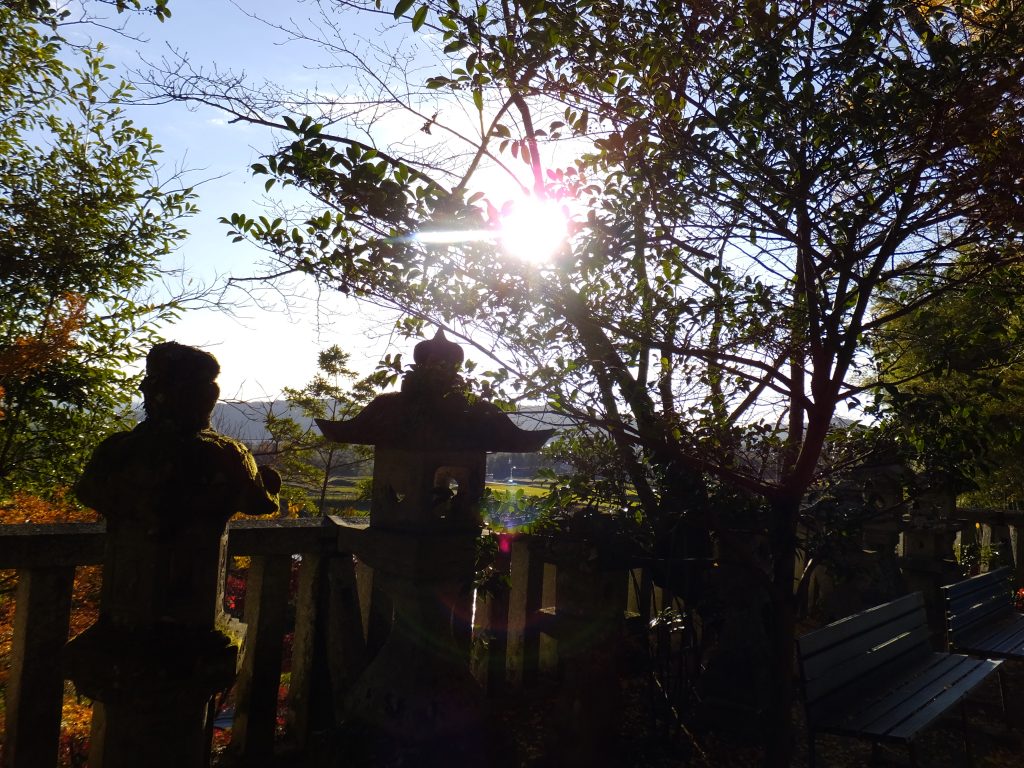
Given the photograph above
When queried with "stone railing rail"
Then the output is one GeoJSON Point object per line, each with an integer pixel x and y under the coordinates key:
{"type": "Point", "coordinates": [555, 590]}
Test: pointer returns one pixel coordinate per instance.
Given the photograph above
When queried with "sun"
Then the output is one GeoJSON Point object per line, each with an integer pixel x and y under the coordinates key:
{"type": "Point", "coordinates": [533, 229]}
{"type": "Point", "coordinates": [527, 228]}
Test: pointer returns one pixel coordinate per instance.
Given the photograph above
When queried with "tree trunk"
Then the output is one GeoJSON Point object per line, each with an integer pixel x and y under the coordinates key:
{"type": "Point", "coordinates": [780, 737]}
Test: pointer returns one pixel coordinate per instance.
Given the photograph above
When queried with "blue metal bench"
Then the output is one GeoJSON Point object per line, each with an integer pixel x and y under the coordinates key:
{"type": "Point", "coordinates": [981, 620]}
{"type": "Point", "coordinates": [980, 617]}
{"type": "Point", "coordinates": [873, 675]}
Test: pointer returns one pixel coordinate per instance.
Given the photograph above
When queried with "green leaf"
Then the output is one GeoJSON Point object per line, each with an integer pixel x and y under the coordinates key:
{"type": "Point", "coordinates": [419, 18]}
{"type": "Point", "coordinates": [402, 7]}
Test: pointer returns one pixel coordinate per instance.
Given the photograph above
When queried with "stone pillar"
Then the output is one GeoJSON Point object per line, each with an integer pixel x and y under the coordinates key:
{"type": "Point", "coordinates": [590, 615]}
{"type": "Point", "coordinates": [35, 690]}
{"type": "Point", "coordinates": [927, 558]}
{"type": "Point", "coordinates": [1017, 548]}
{"type": "Point", "coordinates": [526, 591]}
{"type": "Point", "coordinates": [417, 701]}
{"type": "Point", "coordinates": [492, 624]}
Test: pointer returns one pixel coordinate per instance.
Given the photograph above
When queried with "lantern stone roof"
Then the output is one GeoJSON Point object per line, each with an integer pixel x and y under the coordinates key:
{"type": "Point", "coordinates": [433, 412]}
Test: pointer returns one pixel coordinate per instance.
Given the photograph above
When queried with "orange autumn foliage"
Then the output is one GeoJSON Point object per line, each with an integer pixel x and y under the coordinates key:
{"type": "Point", "coordinates": [27, 508]}
{"type": "Point", "coordinates": [27, 354]}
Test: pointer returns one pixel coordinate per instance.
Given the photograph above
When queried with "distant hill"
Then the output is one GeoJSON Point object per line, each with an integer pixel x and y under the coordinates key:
{"type": "Point", "coordinates": [244, 420]}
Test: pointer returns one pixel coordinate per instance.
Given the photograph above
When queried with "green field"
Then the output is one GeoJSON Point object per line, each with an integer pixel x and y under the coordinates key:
{"type": "Point", "coordinates": [526, 487]}
{"type": "Point", "coordinates": [343, 492]}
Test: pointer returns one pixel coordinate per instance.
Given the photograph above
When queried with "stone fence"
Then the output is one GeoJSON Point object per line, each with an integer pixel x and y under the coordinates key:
{"type": "Point", "coordinates": [557, 607]}
{"type": "Point", "coordinates": [514, 633]}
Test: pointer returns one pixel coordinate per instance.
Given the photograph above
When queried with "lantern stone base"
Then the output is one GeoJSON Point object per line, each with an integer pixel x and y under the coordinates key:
{"type": "Point", "coordinates": [152, 688]}
{"type": "Point", "coordinates": [417, 703]}
{"type": "Point", "coordinates": [415, 707]}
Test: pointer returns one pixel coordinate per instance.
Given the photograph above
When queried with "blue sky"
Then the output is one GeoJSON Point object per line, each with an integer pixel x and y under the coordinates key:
{"type": "Point", "coordinates": [260, 349]}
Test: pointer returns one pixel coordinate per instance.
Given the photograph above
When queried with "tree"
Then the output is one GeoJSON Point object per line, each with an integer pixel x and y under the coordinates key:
{"type": "Point", "coordinates": [750, 177]}
{"type": "Point", "coordinates": [307, 460]}
{"type": "Point", "coordinates": [82, 226]}
{"type": "Point", "coordinates": [84, 222]}
{"type": "Point", "coordinates": [953, 381]}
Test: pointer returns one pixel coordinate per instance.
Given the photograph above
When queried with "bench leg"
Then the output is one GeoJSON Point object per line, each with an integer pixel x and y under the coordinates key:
{"type": "Point", "coordinates": [1002, 697]}
{"type": "Point", "coordinates": [967, 737]}
{"type": "Point", "coordinates": [810, 749]}
{"type": "Point", "coordinates": [912, 752]}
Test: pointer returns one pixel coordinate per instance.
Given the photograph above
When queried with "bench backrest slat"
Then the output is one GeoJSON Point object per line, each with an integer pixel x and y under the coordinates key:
{"type": "Point", "coordinates": [980, 582]}
{"type": "Point", "coordinates": [852, 626]}
{"type": "Point", "coordinates": [847, 650]}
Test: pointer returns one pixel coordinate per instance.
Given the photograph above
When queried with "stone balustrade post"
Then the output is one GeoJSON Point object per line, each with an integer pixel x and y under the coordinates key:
{"type": "Point", "coordinates": [589, 626]}
{"type": "Point", "coordinates": [35, 690]}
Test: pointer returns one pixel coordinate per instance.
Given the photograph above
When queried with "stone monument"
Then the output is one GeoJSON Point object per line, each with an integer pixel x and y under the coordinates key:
{"type": "Point", "coordinates": [166, 490]}
{"type": "Point", "coordinates": [417, 703]}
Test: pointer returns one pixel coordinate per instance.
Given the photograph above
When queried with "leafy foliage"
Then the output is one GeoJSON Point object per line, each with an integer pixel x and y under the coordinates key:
{"type": "Point", "coordinates": [83, 225]}
{"type": "Point", "coordinates": [953, 382]}
{"type": "Point", "coordinates": [307, 460]}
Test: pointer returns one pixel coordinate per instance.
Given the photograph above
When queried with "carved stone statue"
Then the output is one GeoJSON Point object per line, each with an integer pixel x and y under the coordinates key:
{"type": "Point", "coordinates": [166, 490]}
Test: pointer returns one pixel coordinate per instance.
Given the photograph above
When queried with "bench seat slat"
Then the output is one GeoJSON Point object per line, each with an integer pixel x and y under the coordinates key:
{"type": "Point", "coordinates": [1004, 639]}
{"type": "Point", "coordinates": [866, 692]}
{"type": "Point", "coordinates": [906, 645]}
{"type": "Point", "coordinates": [974, 673]}
{"type": "Point", "coordinates": [918, 700]}
{"type": "Point", "coordinates": [1011, 642]}
{"type": "Point", "coordinates": [903, 696]}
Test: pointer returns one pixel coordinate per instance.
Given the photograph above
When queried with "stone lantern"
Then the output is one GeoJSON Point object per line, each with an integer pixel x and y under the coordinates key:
{"type": "Point", "coordinates": [417, 701]}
